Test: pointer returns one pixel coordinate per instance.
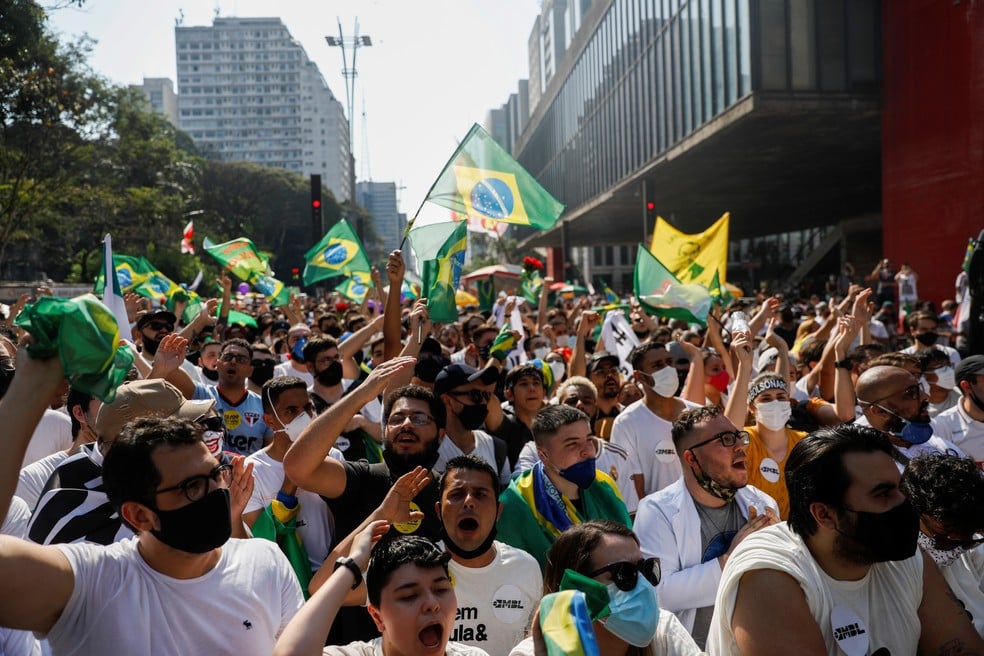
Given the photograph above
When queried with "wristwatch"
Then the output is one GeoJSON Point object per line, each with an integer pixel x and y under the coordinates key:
{"type": "Point", "coordinates": [846, 363]}
{"type": "Point", "coordinates": [351, 565]}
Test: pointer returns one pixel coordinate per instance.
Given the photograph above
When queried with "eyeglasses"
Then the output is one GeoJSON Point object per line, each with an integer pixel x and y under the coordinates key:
{"type": "Point", "coordinates": [728, 438]}
{"type": "Point", "coordinates": [476, 396]}
{"type": "Point", "coordinates": [232, 357]}
{"type": "Point", "coordinates": [416, 418]}
{"type": "Point", "coordinates": [196, 487]}
{"type": "Point", "coordinates": [159, 325]}
{"type": "Point", "coordinates": [213, 424]}
{"type": "Point", "coordinates": [625, 575]}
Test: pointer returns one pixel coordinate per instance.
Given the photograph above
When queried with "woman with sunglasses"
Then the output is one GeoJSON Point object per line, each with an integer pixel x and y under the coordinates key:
{"type": "Point", "coordinates": [608, 553]}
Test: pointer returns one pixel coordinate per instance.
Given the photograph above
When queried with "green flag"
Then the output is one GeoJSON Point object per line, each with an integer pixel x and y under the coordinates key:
{"type": "Point", "coordinates": [482, 180]}
{"type": "Point", "coordinates": [339, 253]}
{"type": "Point", "coordinates": [244, 260]}
{"type": "Point", "coordinates": [719, 293]}
{"type": "Point", "coordinates": [138, 275]}
{"type": "Point", "coordinates": [442, 273]}
{"type": "Point", "coordinates": [486, 293]}
{"type": "Point", "coordinates": [662, 294]}
{"type": "Point", "coordinates": [531, 282]}
{"type": "Point", "coordinates": [356, 286]}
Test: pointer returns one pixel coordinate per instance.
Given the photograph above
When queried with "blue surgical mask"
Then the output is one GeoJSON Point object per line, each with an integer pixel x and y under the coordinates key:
{"type": "Point", "coordinates": [635, 614]}
{"type": "Point", "coordinates": [581, 474]}
{"type": "Point", "coordinates": [913, 432]}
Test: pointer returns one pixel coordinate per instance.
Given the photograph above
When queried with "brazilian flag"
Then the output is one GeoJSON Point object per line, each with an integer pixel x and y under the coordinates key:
{"type": "Point", "coordinates": [482, 180]}
{"type": "Point", "coordinates": [138, 275]}
{"type": "Point", "coordinates": [339, 253]}
{"type": "Point", "coordinates": [356, 286]}
{"type": "Point", "coordinates": [442, 273]}
{"type": "Point", "coordinates": [486, 293]}
{"type": "Point", "coordinates": [244, 260]}
{"type": "Point", "coordinates": [531, 282]}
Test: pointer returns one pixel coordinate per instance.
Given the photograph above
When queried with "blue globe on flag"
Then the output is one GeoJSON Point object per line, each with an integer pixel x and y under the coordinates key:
{"type": "Point", "coordinates": [160, 284]}
{"type": "Point", "coordinates": [493, 198]}
{"type": "Point", "coordinates": [358, 289]}
{"type": "Point", "coordinates": [335, 255]}
{"type": "Point", "coordinates": [125, 277]}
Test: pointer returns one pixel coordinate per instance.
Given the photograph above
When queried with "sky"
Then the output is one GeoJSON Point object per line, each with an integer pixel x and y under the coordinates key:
{"type": "Point", "coordinates": [435, 66]}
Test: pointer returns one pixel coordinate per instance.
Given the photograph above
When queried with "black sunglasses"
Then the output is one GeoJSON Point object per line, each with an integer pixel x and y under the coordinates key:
{"type": "Point", "coordinates": [477, 397]}
{"type": "Point", "coordinates": [213, 424]}
{"type": "Point", "coordinates": [728, 438]}
{"type": "Point", "coordinates": [625, 575]}
{"type": "Point", "coordinates": [159, 325]}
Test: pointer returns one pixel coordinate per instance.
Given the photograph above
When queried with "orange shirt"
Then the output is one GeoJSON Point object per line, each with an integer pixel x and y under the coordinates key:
{"type": "Point", "coordinates": [765, 473]}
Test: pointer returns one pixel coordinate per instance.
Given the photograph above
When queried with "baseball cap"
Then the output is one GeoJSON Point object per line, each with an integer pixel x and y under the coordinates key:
{"type": "Point", "coordinates": [146, 398]}
{"type": "Point", "coordinates": [160, 314]}
{"type": "Point", "coordinates": [279, 325]}
{"type": "Point", "coordinates": [599, 357]}
{"type": "Point", "coordinates": [456, 375]}
{"type": "Point", "coordinates": [969, 366]}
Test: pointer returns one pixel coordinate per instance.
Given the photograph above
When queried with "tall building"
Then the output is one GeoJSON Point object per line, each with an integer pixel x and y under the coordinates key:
{"type": "Point", "coordinates": [160, 94]}
{"type": "Point", "coordinates": [379, 198]}
{"type": "Point", "coordinates": [247, 91]}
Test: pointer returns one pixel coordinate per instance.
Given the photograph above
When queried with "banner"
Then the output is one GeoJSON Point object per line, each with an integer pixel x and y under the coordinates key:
{"type": "Point", "coordinates": [694, 258]}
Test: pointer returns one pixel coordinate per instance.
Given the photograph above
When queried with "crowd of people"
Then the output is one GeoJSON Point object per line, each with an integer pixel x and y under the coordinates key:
{"type": "Point", "coordinates": [797, 476]}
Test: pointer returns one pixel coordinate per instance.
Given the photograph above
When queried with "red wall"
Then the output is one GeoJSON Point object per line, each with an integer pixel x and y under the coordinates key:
{"type": "Point", "coordinates": [932, 136]}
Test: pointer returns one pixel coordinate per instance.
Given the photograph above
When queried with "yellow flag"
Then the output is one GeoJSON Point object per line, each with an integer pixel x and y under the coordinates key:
{"type": "Point", "coordinates": [694, 258]}
{"type": "Point", "coordinates": [491, 194]}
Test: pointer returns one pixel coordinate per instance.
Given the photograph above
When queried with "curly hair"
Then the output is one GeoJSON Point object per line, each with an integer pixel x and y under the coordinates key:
{"type": "Point", "coordinates": [690, 418]}
{"type": "Point", "coordinates": [947, 488]}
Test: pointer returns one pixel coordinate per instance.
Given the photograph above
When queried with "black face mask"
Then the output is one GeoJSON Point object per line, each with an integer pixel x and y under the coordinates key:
{"type": "Point", "coordinates": [890, 535]}
{"type": "Point", "coordinates": [927, 339]}
{"type": "Point", "coordinates": [262, 372]}
{"type": "Point", "coordinates": [200, 526]}
{"type": "Point", "coordinates": [466, 554]}
{"type": "Point", "coordinates": [212, 374]}
{"type": "Point", "coordinates": [427, 369]}
{"type": "Point", "coordinates": [472, 416]}
{"type": "Point", "coordinates": [331, 376]}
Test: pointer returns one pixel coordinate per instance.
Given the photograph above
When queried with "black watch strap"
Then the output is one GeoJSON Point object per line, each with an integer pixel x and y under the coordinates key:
{"type": "Point", "coordinates": [350, 564]}
{"type": "Point", "coordinates": [846, 363]}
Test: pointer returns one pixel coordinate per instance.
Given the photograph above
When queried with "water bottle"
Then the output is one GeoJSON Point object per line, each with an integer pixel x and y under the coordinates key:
{"type": "Point", "coordinates": [739, 322]}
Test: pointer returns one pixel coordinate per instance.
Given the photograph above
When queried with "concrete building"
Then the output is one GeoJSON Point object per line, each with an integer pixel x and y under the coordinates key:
{"type": "Point", "coordinates": [160, 93]}
{"type": "Point", "coordinates": [249, 92]}
{"type": "Point", "coordinates": [379, 198]}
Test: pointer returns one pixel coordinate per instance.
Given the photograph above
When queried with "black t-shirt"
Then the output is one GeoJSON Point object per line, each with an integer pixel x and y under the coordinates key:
{"type": "Point", "coordinates": [515, 433]}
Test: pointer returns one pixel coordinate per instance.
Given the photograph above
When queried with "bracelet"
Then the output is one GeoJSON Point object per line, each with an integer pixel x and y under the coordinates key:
{"type": "Point", "coordinates": [351, 566]}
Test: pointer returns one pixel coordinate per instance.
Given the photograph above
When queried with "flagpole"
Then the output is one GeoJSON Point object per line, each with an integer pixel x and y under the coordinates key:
{"type": "Point", "coordinates": [454, 155]}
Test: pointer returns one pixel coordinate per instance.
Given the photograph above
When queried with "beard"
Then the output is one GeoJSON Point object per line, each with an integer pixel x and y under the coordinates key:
{"type": "Point", "coordinates": [399, 464]}
{"type": "Point", "coordinates": [151, 345]}
{"type": "Point", "coordinates": [847, 547]}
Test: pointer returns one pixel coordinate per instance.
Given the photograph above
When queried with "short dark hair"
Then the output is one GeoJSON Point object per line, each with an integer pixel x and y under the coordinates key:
{"type": "Point", "coordinates": [894, 359]}
{"type": "Point", "coordinates": [275, 387]}
{"type": "Point", "coordinates": [435, 404]}
{"type": "Point", "coordinates": [78, 398]}
{"type": "Point", "coordinates": [522, 370]}
{"type": "Point", "coordinates": [636, 354]}
{"type": "Point", "coordinates": [552, 418]}
{"type": "Point", "coordinates": [690, 418]}
{"type": "Point", "coordinates": [128, 471]}
{"type": "Point", "coordinates": [913, 319]}
{"type": "Point", "coordinates": [391, 554]}
{"type": "Point", "coordinates": [959, 503]}
{"type": "Point", "coordinates": [573, 548]}
{"type": "Point", "coordinates": [932, 356]}
{"type": "Point", "coordinates": [812, 351]}
{"type": "Point", "coordinates": [815, 469]}
{"type": "Point", "coordinates": [316, 345]}
{"type": "Point", "coordinates": [469, 463]}
{"type": "Point", "coordinates": [239, 342]}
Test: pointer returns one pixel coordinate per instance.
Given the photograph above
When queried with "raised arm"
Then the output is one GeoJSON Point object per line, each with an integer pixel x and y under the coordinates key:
{"type": "Point", "coordinates": [741, 351]}
{"type": "Point", "coordinates": [419, 324]}
{"type": "Point", "coordinates": [585, 327]}
{"type": "Point", "coordinates": [355, 342]}
{"type": "Point", "coordinates": [395, 270]}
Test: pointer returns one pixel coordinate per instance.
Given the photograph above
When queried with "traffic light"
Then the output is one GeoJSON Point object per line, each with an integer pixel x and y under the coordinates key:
{"type": "Point", "coordinates": [650, 206]}
{"type": "Point", "coordinates": [316, 225]}
{"type": "Point", "coordinates": [295, 273]}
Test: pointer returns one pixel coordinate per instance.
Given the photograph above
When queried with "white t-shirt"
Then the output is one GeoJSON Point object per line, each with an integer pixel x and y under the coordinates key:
{"type": "Point", "coordinates": [647, 439]}
{"type": "Point", "coordinates": [32, 478]}
{"type": "Point", "coordinates": [933, 445]}
{"type": "Point", "coordinates": [12, 641]}
{"type": "Point", "coordinates": [287, 369]}
{"type": "Point", "coordinates": [884, 603]}
{"type": "Point", "coordinates": [963, 430]}
{"type": "Point", "coordinates": [496, 602]}
{"type": "Point", "coordinates": [671, 639]}
{"type": "Point", "coordinates": [121, 605]}
{"type": "Point", "coordinates": [52, 434]}
{"type": "Point", "coordinates": [375, 648]}
{"type": "Point", "coordinates": [965, 576]}
{"type": "Point", "coordinates": [484, 450]}
{"type": "Point", "coordinates": [313, 521]}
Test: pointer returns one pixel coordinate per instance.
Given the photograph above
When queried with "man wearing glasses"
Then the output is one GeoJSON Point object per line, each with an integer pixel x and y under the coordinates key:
{"type": "Point", "coordinates": [466, 393]}
{"type": "Point", "coordinates": [694, 525]}
{"type": "Point", "coordinates": [894, 402]}
{"type": "Point", "coordinates": [181, 570]}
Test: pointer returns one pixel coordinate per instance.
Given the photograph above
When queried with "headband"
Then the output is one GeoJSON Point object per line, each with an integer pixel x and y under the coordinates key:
{"type": "Point", "coordinates": [765, 385]}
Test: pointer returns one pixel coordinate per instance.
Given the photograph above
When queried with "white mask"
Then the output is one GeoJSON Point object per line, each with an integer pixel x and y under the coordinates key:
{"type": "Point", "coordinates": [774, 414]}
{"type": "Point", "coordinates": [558, 369]}
{"type": "Point", "coordinates": [945, 378]}
{"type": "Point", "coordinates": [541, 352]}
{"type": "Point", "coordinates": [571, 340]}
{"type": "Point", "coordinates": [665, 382]}
{"type": "Point", "coordinates": [296, 426]}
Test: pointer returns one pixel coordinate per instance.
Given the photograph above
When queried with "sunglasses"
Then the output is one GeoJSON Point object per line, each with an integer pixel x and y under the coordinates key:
{"type": "Point", "coordinates": [159, 325]}
{"type": "Point", "coordinates": [213, 424]}
{"type": "Point", "coordinates": [625, 575]}
{"type": "Point", "coordinates": [728, 438]}
{"type": "Point", "coordinates": [477, 397]}
{"type": "Point", "coordinates": [416, 418]}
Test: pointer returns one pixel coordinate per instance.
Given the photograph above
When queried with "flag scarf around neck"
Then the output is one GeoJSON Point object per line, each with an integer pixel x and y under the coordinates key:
{"type": "Point", "coordinates": [244, 260]}
{"type": "Point", "coordinates": [662, 294]}
{"type": "Point", "coordinates": [440, 247]}
{"type": "Point", "coordinates": [83, 334]}
{"type": "Point", "coordinates": [695, 258]}
{"type": "Point", "coordinates": [483, 181]}
{"type": "Point", "coordinates": [339, 253]}
{"type": "Point", "coordinates": [556, 513]}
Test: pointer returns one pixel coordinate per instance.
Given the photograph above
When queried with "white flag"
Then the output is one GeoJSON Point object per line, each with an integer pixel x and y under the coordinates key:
{"type": "Point", "coordinates": [619, 339]}
{"type": "Point", "coordinates": [112, 296]}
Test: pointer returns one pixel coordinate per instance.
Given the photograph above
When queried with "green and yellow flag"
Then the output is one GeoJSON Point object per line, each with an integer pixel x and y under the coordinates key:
{"type": "Point", "coordinates": [442, 272]}
{"type": "Point", "coordinates": [138, 275]}
{"type": "Point", "coordinates": [339, 253]}
{"type": "Point", "coordinates": [244, 260]}
{"type": "Point", "coordinates": [662, 294]}
{"type": "Point", "coordinates": [482, 180]}
{"type": "Point", "coordinates": [695, 258]}
{"type": "Point", "coordinates": [486, 293]}
{"type": "Point", "coordinates": [356, 286]}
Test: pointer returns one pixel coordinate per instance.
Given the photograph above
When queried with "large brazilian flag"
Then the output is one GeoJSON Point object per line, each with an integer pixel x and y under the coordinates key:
{"type": "Point", "coordinates": [339, 253]}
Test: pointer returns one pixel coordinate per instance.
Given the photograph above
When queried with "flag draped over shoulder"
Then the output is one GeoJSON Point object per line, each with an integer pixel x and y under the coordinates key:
{"type": "Point", "coordinates": [339, 253]}
{"type": "Point", "coordinates": [483, 181]}
{"type": "Point", "coordinates": [244, 260]}
{"type": "Point", "coordinates": [441, 249]}
{"type": "Point", "coordinates": [662, 294]}
{"type": "Point", "coordinates": [697, 258]}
